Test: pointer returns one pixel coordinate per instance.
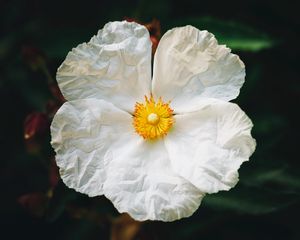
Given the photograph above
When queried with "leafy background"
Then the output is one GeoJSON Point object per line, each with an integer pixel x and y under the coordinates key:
{"type": "Point", "coordinates": [264, 205]}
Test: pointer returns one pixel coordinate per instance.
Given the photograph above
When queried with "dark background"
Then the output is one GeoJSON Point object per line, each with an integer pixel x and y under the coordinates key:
{"type": "Point", "coordinates": [264, 205]}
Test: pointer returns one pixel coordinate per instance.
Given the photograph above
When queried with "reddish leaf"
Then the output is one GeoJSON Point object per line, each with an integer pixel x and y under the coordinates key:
{"type": "Point", "coordinates": [54, 89]}
{"type": "Point", "coordinates": [125, 228]}
{"type": "Point", "coordinates": [53, 174]}
{"type": "Point", "coordinates": [154, 41]}
{"type": "Point", "coordinates": [51, 108]}
{"type": "Point", "coordinates": [36, 125]}
{"type": "Point", "coordinates": [154, 28]}
{"type": "Point", "coordinates": [34, 203]}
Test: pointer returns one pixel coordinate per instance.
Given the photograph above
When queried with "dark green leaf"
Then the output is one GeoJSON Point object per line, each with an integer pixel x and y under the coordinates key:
{"type": "Point", "coordinates": [61, 196]}
{"type": "Point", "coordinates": [251, 200]}
{"type": "Point", "coordinates": [235, 35]}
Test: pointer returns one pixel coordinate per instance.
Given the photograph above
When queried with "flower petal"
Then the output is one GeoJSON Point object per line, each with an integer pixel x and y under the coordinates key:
{"type": "Point", "coordinates": [140, 181]}
{"type": "Point", "coordinates": [208, 146]}
{"type": "Point", "coordinates": [82, 133]}
{"type": "Point", "coordinates": [115, 65]}
{"type": "Point", "coordinates": [189, 65]}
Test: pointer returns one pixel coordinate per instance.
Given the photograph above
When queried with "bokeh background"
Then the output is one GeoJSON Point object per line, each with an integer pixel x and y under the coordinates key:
{"type": "Point", "coordinates": [35, 38]}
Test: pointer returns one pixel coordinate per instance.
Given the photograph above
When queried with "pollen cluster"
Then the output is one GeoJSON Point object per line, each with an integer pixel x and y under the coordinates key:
{"type": "Point", "coordinates": [152, 119]}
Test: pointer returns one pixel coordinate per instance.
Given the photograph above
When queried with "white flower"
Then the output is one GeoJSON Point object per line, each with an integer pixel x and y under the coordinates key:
{"type": "Point", "coordinates": [153, 159]}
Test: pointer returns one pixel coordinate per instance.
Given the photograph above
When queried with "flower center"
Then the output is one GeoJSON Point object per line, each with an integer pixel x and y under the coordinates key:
{"type": "Point", "coordinates": [152, 119]}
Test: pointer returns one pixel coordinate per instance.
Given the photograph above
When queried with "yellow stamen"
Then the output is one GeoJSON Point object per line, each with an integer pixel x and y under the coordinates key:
{"type": "Point", "coordinates": [152, 119]}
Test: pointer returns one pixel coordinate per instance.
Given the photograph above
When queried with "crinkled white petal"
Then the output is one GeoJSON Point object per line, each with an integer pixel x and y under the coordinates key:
{"type": "Point", "coordinates": [98, 153]}
{"type": "Point", "coordinates": [140, 181]}
{"type": "Point", "coordinates": [115, 65]}
{"type": "Point", "coordinates": [190, 65]}
{"type": "Point", "coordinates": [208, 146]}
{"type": "Point", "coordinates": [82, 133]}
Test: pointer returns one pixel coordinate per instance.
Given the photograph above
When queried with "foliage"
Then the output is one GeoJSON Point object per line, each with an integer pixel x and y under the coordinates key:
{"type": "Point", "coordinates": [35, 39]}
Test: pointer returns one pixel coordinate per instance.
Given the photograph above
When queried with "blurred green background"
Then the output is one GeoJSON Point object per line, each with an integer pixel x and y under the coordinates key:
{"type": "Point", "coordinates": [35, 38]}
